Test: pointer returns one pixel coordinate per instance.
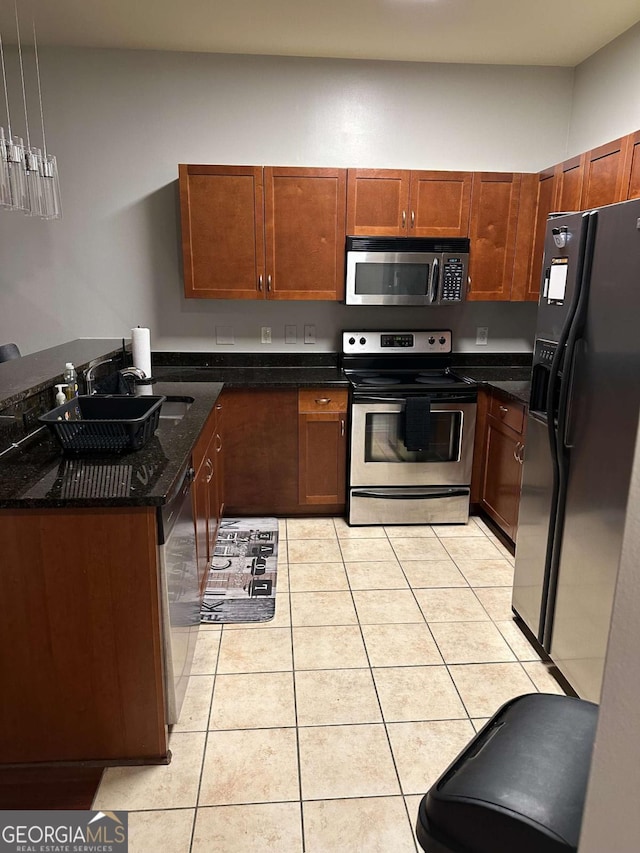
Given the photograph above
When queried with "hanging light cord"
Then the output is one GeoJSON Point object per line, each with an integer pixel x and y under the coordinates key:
{"type": "Point", "coordinates": [35, 50]}
{"type": "Point", "coordinates": [24, 93]}
{"type": "Point", "coordinates": [6, 96]}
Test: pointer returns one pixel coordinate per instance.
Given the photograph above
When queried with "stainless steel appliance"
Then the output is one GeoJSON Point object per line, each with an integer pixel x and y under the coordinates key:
{"type": "Point", "coordinates": [412, 429]}
{"type": "Point", "coordinates": [406, 270]}
{"type": "Point", "coordinates": [581, 436]}
{"type": "Point", "coordinates": [179, 592]}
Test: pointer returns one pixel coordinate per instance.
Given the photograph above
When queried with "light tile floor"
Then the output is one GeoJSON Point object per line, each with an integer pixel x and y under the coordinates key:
{"type": "Point", "coordinates": [320, 730]}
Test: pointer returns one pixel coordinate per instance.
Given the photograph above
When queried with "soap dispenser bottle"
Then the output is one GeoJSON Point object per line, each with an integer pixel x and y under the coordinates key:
{"type": "Point", "coordinates": [71, 380]}
{"type": "Point", "coordinates": [61, 397]}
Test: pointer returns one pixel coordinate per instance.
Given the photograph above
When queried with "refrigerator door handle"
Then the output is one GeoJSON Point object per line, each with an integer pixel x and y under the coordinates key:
{"type": "Point", "coordinates": [579, 349]}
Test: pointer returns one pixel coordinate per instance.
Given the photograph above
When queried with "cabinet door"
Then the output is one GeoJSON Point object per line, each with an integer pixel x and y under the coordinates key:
{"type": "Point", "coordinates": [604, 174]}
{"type": "Point", "coordinates": [322, 458]}
{"type": "Point", "coordinates": [631, 183]}
{"type": "Point", "coordinates": [261, 451]}
{"type": "Point", "coordinates": [569, 177]}
{"type": "Point", "coordinates": [494, 215]}
{"type": "Point", "coordinates": [322, 446]}
{"type": "Point", "coordinates": [439, 204]}
{"type": "Point", "coordinates": [305, 213]}
{"type": "Point", "coordinates": [378, 202]}
{"type": "Point", "coordinates": [222, 231]}
{"type": "Point", "coordinates": [218, 465]}
{"type": "Point", "coordinates": [201, 508]}
{"type": "Point", "coordinates": [537, 200]}
{"type": "Point", "coordinates": [502, 477]}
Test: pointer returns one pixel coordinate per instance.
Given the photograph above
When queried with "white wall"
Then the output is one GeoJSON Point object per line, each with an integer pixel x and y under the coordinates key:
{"type": "Point", "coordinates": [606, 100]}
{"type": "Point", "coordinates": [121, 121]}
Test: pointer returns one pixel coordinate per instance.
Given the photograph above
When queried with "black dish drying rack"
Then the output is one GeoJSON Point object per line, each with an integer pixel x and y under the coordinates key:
{"type": "Point", "coordinates": [104, 423]}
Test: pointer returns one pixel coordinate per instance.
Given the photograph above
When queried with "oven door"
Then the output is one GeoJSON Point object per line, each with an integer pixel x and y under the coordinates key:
{"type": "Point", "coordinates": [380, 458]}
{"type": "Point", "coordinates": [392, 278]}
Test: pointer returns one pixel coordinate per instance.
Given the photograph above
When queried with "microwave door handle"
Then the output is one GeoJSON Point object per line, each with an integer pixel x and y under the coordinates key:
{"type": "Point", "coordinates": [435, 276]}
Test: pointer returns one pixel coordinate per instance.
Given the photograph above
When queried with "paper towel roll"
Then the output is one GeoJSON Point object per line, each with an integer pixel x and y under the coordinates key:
{"type": "Point", "coordinates": [141, 349]}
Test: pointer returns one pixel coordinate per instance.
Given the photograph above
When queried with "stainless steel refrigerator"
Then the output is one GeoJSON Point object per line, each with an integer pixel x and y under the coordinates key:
{"type": "Point", "coordinates": [581, 435]}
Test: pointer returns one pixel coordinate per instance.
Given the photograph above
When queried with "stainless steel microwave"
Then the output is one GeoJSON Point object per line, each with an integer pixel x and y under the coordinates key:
{"type": "Point", "coordinates": [406, 270]}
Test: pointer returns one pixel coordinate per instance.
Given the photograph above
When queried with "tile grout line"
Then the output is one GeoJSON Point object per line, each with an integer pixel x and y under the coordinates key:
{"type": "Point", "coordinates": [384, 722]}
{"type": "Point", "coordinates": [295, 710]}
{"type": "Point", "coordinates": [206, 740]}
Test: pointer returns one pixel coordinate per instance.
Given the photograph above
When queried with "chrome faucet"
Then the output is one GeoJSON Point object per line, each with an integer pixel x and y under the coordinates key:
{"type": "Point", "coordinates": [89, 379]}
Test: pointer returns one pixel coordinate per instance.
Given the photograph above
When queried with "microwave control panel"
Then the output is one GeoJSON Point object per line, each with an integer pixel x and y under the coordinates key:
{"type": "Point", "coordinates": [452, 280]}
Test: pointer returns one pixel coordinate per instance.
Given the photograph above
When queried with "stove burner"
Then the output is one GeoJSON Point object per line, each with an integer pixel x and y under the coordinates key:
{"type": "Point", "coordinates": [434, 379]}
{"type": "Point", "coordinates": [381, 380]}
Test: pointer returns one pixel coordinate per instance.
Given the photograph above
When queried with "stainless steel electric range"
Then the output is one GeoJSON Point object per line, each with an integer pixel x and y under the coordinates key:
{"type": "Point", "coordinates": [412, 429]}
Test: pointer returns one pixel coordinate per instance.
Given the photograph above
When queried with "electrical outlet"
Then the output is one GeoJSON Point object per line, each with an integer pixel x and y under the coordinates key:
{"type": "Point", "coordinates": [309, 334]}
{"type": "Point", "coordinates": [482, 335]}
{"type": "Point", "coordinates": [290, 334]}
{"type": "Point", "coordinates": [224, 335]}
{"type": "Point", "coordinates": [266, 334]}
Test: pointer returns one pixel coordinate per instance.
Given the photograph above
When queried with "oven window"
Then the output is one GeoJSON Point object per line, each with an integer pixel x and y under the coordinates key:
{"type": "Point", "coordinates": [384, 431]}
{"type": "Point", "coordinates": [391, 279]}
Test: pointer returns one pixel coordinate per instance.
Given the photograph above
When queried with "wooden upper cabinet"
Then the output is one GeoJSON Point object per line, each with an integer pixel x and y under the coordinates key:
{"type": "Point", "coordinates": [604, 168]}
{"type": "Point", "coordinates": [495, 200]}
{"type": "Point", "coordinates": [439, 204]}
{"type": "Point", "coordinates": [569, 179]}
{"type": "Point", "coordinates": [631, 183]}
{"type": "Point", "coordinates": [537, 200]}
{"type": "Point", "coordinates": [377, 202]}
{"type": "Point", "coordinates": [305, 213]}
{"type": "Point", "coordinates": [222, 231]}
{"type": "Point", "coordinates": [401, 203]}
{"type": "Point", "coordinates": [254, 233]}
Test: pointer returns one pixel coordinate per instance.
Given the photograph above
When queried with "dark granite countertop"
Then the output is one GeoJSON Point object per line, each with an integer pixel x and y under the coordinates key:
{"type": "Point", "coordinates": [26, 376]}
{"type": "Point", "coordinates": [38, 474]}
{"type": "Point", "coordinates": [513, 381]}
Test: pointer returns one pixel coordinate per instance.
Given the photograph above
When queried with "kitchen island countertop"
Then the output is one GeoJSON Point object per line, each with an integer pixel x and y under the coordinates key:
{"type": "Point", "coordinates": [38, 474]}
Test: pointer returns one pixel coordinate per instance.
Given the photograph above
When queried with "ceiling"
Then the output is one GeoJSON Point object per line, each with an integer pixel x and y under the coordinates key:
{"type": "Point", "coordinates": [511, 32]}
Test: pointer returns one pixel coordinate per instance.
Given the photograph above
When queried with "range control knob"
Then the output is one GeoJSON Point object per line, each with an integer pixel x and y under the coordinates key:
{"type": "Point", "coordinates": [352, 341]}
{"type": "Point", "coordinates": [363, 341]}
{"type": "Point", "coordinates": [432, 341]}
{"type": "Point", "coordinates": [443, 341]}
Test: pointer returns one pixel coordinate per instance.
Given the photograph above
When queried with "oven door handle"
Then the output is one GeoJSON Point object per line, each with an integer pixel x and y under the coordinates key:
{"type": "Point", "coordinates": [399, 495]}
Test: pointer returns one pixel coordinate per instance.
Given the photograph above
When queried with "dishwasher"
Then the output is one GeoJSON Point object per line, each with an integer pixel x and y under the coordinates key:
{"type": "Point", "coordinates": [179, 592]}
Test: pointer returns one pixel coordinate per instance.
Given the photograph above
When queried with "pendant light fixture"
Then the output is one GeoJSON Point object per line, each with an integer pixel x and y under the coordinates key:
{"type": "Point", "coordinates": [28, 175]}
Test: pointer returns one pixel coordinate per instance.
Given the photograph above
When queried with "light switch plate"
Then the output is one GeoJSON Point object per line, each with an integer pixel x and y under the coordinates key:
{"type": "Point", "coordinates": [265, 334]}
{"type": "Point", "coordinates": [309, 334]}
{"type": "Point", "coordinates": [482, 335]}
{"type": "Point", "coordinates": [225, 335]}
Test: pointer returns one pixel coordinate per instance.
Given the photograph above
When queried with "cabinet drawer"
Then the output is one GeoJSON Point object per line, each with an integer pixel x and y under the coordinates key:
{"type": "Point", "coordinates": [322, 399]}
{"type": "Point", "coordinates": [508, 412]}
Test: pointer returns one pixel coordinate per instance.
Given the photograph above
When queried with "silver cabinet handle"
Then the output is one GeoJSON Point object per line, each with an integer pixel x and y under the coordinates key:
{"type": "Point", "coordinates": [342, 427]}
{"type": "Point", "coordinates": [260, 282]}
{"type": "Point", "coordinates": [323, 401]}
{"type": "Point", "coordinates": [516, 450]}
{"type": "Point", "coordinates": [209, 465]}
{"type": "Point", "coordinates": [504, 410]}
{"type": "Point", "coordinates": [218, 443]}
{"type": "Point", "coordinates": [413, 218]}
{"type": "Point", "coordinates": [521, 455]}
{"type": "Point", "coordinates": [269, 283]}
{"type": "Point", "coordinates": [404, 218]}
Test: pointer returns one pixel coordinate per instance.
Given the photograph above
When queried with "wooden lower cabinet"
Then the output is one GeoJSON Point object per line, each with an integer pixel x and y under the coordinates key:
{"type": "Point", "coordinates": [208, 491]}
{"type": "Point", "coordinates": [80, 637]}
{"type": "Point", "coordinates": [502, 456]}
{"type": "Point", "coordinates": [280, 460]}
{"type": "Point", "coordinates": [322, 451]}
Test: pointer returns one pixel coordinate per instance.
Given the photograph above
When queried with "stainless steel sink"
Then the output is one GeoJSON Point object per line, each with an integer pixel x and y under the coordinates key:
{"type": "Point", "coordinates": [175, 408]}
